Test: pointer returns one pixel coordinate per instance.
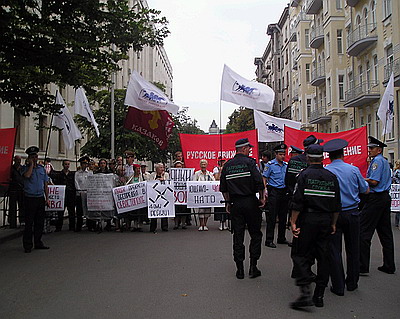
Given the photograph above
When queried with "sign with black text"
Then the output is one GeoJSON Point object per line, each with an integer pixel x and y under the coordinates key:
{"type": "Point", "coordinates": [204, 194]}
{"type": "Point", "coordinates": [56, 198]}
{"type": "Point", "coordinates": [395, 195]}
{"type": "Point", "coordinates": [180, 176]}
{"type": "Point", "coordinates": [160, 199]}
{"type": "Point", "coordinates": [99, 193]}
{"type": "Point", "coordinates": [130, 197]}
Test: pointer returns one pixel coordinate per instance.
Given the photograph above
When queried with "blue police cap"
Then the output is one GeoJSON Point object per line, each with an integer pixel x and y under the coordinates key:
{"type": "Point", "coordinates": [32, 150]}
{"type": "Point", "coordinates": [281, 148]}
{"type": "Point", "coordinates": [243, 142]}
{"type": "Point", "coordinates": [309, 140]}
{"type": "Point", "coordinates": [335, 145]}
{"type": "Point", "coordinates": [315, 150]}
{"type": "Point", "coordinates": [296, 150]}
{"type": "Point", "coordinates": [373, 142]}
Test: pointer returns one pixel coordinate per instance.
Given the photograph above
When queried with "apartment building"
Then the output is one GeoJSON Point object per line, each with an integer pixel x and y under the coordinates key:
{"type": "Point", "coordinates": [151, 63]}
{"type": "Point", "coordinates": [343, 54]}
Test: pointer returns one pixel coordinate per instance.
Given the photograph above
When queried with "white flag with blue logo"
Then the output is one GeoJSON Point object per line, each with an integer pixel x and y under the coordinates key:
{"type": "Point", "coordinates": [147, 97]}
{"type": "Point", "coordinates": [82, 107]}
{"type": "Point", "coordinates": [65, 122]}
{"type": "Point", "coordinates": [270, 128]}
{"type": "Point", "coordinates": [238, 90]}
{"type": "Point", "coordinates": [386, 108]}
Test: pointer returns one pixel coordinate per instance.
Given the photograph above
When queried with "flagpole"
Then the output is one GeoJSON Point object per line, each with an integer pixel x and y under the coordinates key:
{"type": "Point", "coordinates": [112, 112]}
{"type": "Point", "coordinates": [48, 137]}
{"type": "Point", "coordinates": [220, 128]}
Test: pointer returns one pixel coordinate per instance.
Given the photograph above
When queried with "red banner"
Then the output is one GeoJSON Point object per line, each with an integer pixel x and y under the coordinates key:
{"type": "Point", "coordinates": [7, 141]}
{"type": "Point", "coordinates": [196, 147]}
{"type": "Point", "coordinates": [355, 153]}
{"type": "Point", "coordinates": [156, 125]}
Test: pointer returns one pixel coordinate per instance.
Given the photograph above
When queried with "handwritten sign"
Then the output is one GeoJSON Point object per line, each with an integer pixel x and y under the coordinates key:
{"type": "Point", "coordinates": [56, 198]}
{"type": "Point", "coordinates": [395, 195]}
{"type": "Point", "coordinates": [180, 176]}
{"type": "Point", "coordinates": [160, 198]}
{"type": "Point", "coordinates": [99, 193]}
{"type": "Point", "coordinates": [204, 194]}
{"type": "Point", "coordinates": [130, 197]}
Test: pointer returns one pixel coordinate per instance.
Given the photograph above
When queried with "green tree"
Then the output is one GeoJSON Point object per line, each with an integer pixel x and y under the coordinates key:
{"type": "Point", "coordinates": [143, 147]}
{"type": "Point", "coordinates": [74, 42]}
{"type": "Point", "coordinates": [240, 120]}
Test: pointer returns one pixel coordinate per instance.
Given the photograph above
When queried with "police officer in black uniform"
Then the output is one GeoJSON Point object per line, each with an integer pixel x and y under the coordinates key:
{"type": "Point", "coordinates": [315, 206]}
{"type": "Point", "coordinates": [240, 181]}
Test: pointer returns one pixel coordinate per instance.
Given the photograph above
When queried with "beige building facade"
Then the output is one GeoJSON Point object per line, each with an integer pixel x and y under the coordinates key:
{"type": "Point", "coordinates": [343, 53]}
{"type": "Point", "coordinates": [152, 63]}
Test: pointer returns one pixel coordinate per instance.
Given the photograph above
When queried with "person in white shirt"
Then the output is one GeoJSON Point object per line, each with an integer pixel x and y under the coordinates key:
{"type": "Point", "coordinates": [81, 193]}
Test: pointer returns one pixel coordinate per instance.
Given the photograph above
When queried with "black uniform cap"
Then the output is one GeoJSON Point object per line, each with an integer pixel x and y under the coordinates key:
{"type": "Point", "coordinates": [309, 140]}
{"type": "Point", "coordinates": [296, 150]}
{"type": "Point", "coordinates": [281, 148]}
{"type": "Point", "coordinates": [32, 150]}
{"type": "Point", "coordinates": [315, 150]}
{"type": "Point", "coordinates": [335, 145]}
{"type": "Point", "coordinates": [84, 159]}
{"type": "Point", "coordinates": [373, 142]}
{"type": "Point", "coordinates": [243, 142]}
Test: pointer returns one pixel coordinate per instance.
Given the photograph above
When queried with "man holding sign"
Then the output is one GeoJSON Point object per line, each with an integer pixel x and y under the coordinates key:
{"type": "Point", "coordinates": [240, 181]}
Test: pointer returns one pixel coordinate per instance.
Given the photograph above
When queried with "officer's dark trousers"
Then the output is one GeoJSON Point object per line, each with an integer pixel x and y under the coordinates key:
{"type": "Point", "coordinates": [245, 211]}
{"type": "Point", "coordinates": [70, 205]}
{"type": "Point", "coordinates": [277, 206]}
{"type": "Point", "coordinates": [347, 227]}
{"type": "Point", "coordinates": [16, 197]}
{"type": "Point", "coordinates": [376, 215]}
{"type": "Point", "coordinates": [34, 221]}
{"type": "Point", "coordinates": [314, 237]}
{"type": "Point", "coordinates": [79, 213]}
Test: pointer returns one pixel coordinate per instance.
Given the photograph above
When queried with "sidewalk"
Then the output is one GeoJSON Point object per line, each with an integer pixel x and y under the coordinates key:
{"type": "Point", "coordinates": [7, 233]}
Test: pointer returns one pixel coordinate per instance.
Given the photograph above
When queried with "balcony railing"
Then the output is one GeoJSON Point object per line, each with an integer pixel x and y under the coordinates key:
{"type": "Point", "coordinates": [395, 68]}
{"type": "Point", "coordinates": [302, 16]}
{"type": "Point", "coordinates": [318, 76]}
{"type": "Point", "coordinates": [361, 38]}
{"type": "Point", "coordinates": [362, 94]}
{"type": "Point", "coordinates": [318, 115]}
{"type": "Point", "coordinates": [316, 37]}
{"type": "Point", "coordinates": [313, 6]}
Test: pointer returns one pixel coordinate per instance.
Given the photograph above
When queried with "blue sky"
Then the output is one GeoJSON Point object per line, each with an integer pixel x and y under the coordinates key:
{"type": "Point", "coordinates": [205, 34]}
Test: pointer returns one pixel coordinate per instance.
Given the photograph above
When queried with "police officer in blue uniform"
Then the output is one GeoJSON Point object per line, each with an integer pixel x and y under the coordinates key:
{"type": "Point", "coordinates": [274, 174]}
{"type": "Point", "coordinates": [36, 197]}
{"type": "Point", "coordinates": [315, 207]}
{"type": "Point", "coordinates": [294, 151]}
{"type": "Point", "coordinates": [375, 214]}
{"type": "Point", "coordinates": [351, 185]}
{"type": "Point", "coordinates": [240, 181]}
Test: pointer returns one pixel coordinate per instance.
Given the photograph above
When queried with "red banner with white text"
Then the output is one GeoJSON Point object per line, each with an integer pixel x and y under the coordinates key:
{"type": "Point", "coordinates": [355, 153]}
{"type": "Point", "coordinates": [7, 141]}
{"type": "Point", "coordinates": [196, 147]}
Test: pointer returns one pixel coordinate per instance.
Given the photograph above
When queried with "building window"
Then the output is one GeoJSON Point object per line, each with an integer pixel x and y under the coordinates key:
{"type": "Point", "coordinates": [368, 73]}
{"type": "Point", "coordinates": [42, 132]}
{"type": "Point", "coordinates": [389, 55]}
{"type": "Point", "coordinates": [387, 8]}
{"type": "Point", "coordinates": [362, 121]}
{"type": "Point", "coordinates": [308, 108]}
{"type": "Point", "coordinates": [351, 80]}
{"type": "Point", "coordinates": [377, 126]}
{"type": "Point", "coordinates": [339, 4]}
{"type": "Point", "coordinates": [341, 87]}
{"type": "Point", "coordinates": [373, 11]}
{"type": "Point", "coordinates": [360, 74]}
{"type": "Point", "coordinates": [376, 68]}
{"type": "Point", "coordinates": [329, 96]}
{"type": "Point", "coordinates": [369, 120]}
{"type": "Point", "coordinates": [339, 35]}
{"type": "Point", "coordinates": [61, 145]}
{"type": "Point", "coordinates": [307, 38]}
{"type": "Point", "coordinates": [328, 45]}
{"type": "Point", "coordinates": [366, 19]}
{"type": "Point", "coordinates": [307, 72]}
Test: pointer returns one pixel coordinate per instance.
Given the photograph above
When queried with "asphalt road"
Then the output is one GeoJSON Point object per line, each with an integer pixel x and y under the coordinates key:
{"type": "Point", "coordinates": [175, 274]}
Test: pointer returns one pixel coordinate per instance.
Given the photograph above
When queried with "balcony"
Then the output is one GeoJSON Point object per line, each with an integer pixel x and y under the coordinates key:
{"type": "Point", "coordinates": [264, 74]}
{"type": "Point", "coordinates": [318, 76]}
{"type": "Point", "coordinates": [361, 38]}
{"type": "Point", "coordinates": [293, 35]}
{"type": "Point", "coordinates": [313, 6]}
{"type": "Point", "coordinates": [294, 3]}
{"type": "Point", "coordinates": [395, 68]}
{"type": "Point", "coordinates": [316, 37]}
{"type": "Point", "coordinates": [319, 116]}
{"type": "Point", "coordinates": [336, 110]}
{"type": "Point", "coordinates": [365, 93]}
{"type": "Point", "coordinates": [295, 95]}
{"type": "Point", "coordinates": [302, 16]}
{"type": "Point", "coordinates": [352, 3]}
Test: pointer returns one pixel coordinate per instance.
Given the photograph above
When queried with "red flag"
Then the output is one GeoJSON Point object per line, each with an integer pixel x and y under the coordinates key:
{"type": "Point", "coordinates": [355, 153]}
{"type": "Point", "coordinates": [156, 125]}
{"type": "Point", "coordinates": [196, 147]}
{"type": "Point", "coordinates": [7, 141]}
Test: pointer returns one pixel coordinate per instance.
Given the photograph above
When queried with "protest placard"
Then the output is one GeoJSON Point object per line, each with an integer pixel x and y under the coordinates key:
{"type": "Point", "coordinates": [130, 197]}
{"type": "Point", "coordinates": [180, 176]}
{"type": "Point", "coordinates": [204, 194]}
{"type": "Point", "coordinates": [160, 199]}
{"type": "Point", "coordinates": [395, 195]}
{"type": "Point", "coordinates": [56, 198]}
{"type": "Point", "coordinates": [99, 193]}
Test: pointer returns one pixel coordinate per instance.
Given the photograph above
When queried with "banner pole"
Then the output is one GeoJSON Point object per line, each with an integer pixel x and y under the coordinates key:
{"type": "Point", "coordinates": [220, 129]}
{"type": "Point", "coordinates": [48, 137]}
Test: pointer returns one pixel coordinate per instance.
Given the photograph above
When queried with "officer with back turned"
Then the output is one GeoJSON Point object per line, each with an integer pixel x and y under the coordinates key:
{"type": "Point", "coordinates": [240, 181]}
{"type": "Point", "coordinates": [351, 185]}
{"type": "Point", "coordinates": [315, 207]}
{"type": "Point", "coordinates": [376, 211]}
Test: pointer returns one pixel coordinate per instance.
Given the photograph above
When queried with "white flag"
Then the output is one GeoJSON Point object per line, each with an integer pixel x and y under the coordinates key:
{"type": "Point", "coordinates": [270, 128]}
{"type": "Point", "coordinates": [65, 122]}
{"type": "Point", "coordinates": [238, 90]}
{"type": "Point", "coordinates": [386, 108]}
{"type": "Point", "coordinates": [146, 96]}
{"type": "Point", "coordinates": [82, 108]}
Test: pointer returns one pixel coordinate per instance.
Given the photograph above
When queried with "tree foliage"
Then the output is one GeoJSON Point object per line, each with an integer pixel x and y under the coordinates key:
{"type": "Point", "coordinates": [143, 147]}
{"type": "Point", "coordinates": [240, 120]}
{"type": "Point", "coordinates": [74, 42]}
